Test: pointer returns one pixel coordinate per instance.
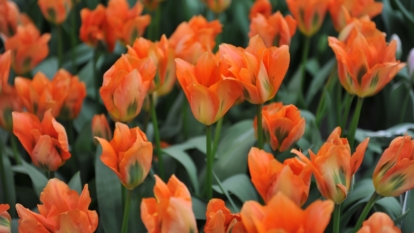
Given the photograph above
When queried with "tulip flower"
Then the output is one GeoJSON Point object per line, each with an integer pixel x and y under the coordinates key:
{"type": "Point", "coordinates": [333, 166]}
{"type": "Point", "coordinates": [410, 63]}
{"type": "Point", "coordinates": [152, 4]}
{"type": "Point", "coordinates": [9, 102]}
{"type": "Point", "coordinates": [263, 7]}
{"type": "Point", "coordinates": [128, 155]}
{"type": "Point", "coordinates": [275, 30]}
{"type": "Point", "coordinates": [217, 6]}
{"type": "Point", "coordinates": [258, 218]}
{"type": "Point", "coordinates": [282, 125]}
{"type": "Point", "coordinates": [393, 174]}
{"type": "Point", "coordinates": [63, 210]}
{"type": "Point", "coordinates": [5, 219]}
{"type": "Point", "coordinates": [220, 219]}
{"type": "Point", "coordinates": [269, 176]}
{"type": "Point", "coordinates": [309, 14]}
{"type": "Point", "coordinates": [55, 11]}
{"type": "Point", "coordinates": [192, 39]}
{"type": "Point", "coordinates": [9, 17]}
{"type": "Point", "coordinates": [5, 61]}
{"type": "Point", "coordinates": [46, 142]}
{"type": "Point", "coordinates": [100, 127]}
{"type": "Point", "coordinates": [170, 210]}
{"type": "Point", "coordinates": [28, 48]}
{"type": "Point", "coordinates": [210, 95]}
{"type": "Point", "coordinates": [125, 86]}
{"type": "Point", "coordinates": [342, 11]}
{"type": "Point", "coordinates": [258, 69]}
{"type": "Point", "coordinates": [365, 62]}
{"type": "Point", "coordinates": [379, 222]}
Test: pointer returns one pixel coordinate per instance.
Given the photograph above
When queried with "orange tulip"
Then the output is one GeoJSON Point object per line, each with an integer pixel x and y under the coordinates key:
{"type": "Point", "coordinates": [5, 61]}
{"type": "Point", "coordinates": [209, 94]}
{"type": "Point", "coordinates": [258, 69]}
{"type": "Point", "coordinates": [274, 30]}
{"type": "Point", "coordinates": [342, 11]}
{"type": "Point", "coordinates": [270, 177]}
{"type": "Point", "coordinates": [309, 14]}
{"type": "Point", "coordinates": [5, 219]}
{"type": "Point", "coordinates": [162, 56]}
{"type": "Point", "coordinates": [394, 172]}
{"type": "Point", "coordinates": [100, 127]}
{"type": "Point", "coordinates": [9, 17]}
{"type": "Point", "coordinates": [379, 222]}
{"type": "Point", "coordinates": [190, 40]}
{"type": "Point", "coordinates": [28, 48]}
{"type": "Point", "coordinates": [263, 7]}
{"type": "Point", "coordinates": [46, 142]}
{"type": "Point", "coordinates": [261, 219]}
{"type": "Point", "coordinates": [365, 62]}
{"type": "Point", "coordinates": [217, 6]}
{"type": "Point", "coordinates": [170, 210]}
{"type": "Point", "coordinates": [55, 11]}
{"type": "Point", "coordinates": [283, 125]}
{"type": "Point", "coordinates": [125, 86]}
{"type": "Point", "coordinates": [221, 220]}
{"type": "Point", "coordinates": [333, 166]}
{"type": "Point", "coordinates": [63, 210]}
{"type": "Point", "coordinates": [9, 102]}
{"type": "Point", "coordinates": [128, 154]}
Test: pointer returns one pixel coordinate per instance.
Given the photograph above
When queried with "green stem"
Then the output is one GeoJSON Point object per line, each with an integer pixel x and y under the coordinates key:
{"type": "Point", "coordinates": [339, 104]}
{"type": "Point", "coordinates": [126, 212]}
{"type": "Point", "coordinates": [59, 38]}
{"type": "Point", "coordinates": [337, 217]}
{"type": "Point", "coordinates": [158, 150]}
{"type": "Point", "coordinates": [70, 133]}
{"type": "Point", "coordinates": [403, 111]}
{"type": "Point", "coordinates": [15, 151]}
{"type": "Point", "coordinates": [73, 40]}
{"type": "Point", "coordinates": [3, 176]}
{"type": "Point", "coordinates": [305, 55]}
{"type": "Point", "coordinates": [153, 30]}
{"type": "Point", "coordinates": [354, 123]}
{"type": "Point", "coordinates": [344, 118]}
{"type": "Point", "coordinates": [51, 174]}
{"type": "Point", "coordinates": [185, 119]}
{"type": "Point", "coordinates": [210, 161]}
{"type": "Point", "coordinates": [217, 135]}
{"type": "Point", "coordinates": [319, 111]}
{"type": "Point", "coordinates": [259, 127]}
{"type": "Point", "coordinates": [375, 196]}
{"type": "Point", "coordinates": [96, 79]}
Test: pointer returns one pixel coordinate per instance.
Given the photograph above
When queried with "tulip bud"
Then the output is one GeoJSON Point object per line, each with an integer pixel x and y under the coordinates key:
{"type": "Point", "coordinates": [379, 222]}
{"type": "Point", "coordinates": [100, 127]}
{"type": "Point", "coordinates": [55, 11]}
{"type": "Point", "coordinates": [410, 63]}
{"type": "Point", "coordinates": [4, 218]}
{"type": "Point", "coordinates": [398, 52]}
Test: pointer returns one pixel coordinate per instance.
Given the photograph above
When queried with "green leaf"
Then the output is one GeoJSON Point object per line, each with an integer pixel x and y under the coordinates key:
{"type": "Point", "coordinates": [319, 79]}
{"type": "Point", "coordinates": [240, 186]}
{"type": "Point", "coordinates": [407, 14]}
{"type": "Point", "coordinates": [173, 122]}
{"type": "Point", "coordinates": [39, 180]}
{"type": "Point", "coordinates": [199, 208]}
{"type": "Point", "coordinates": [407, 225]}
{"type": "Point", "coordinates": [86, 75]}
{"type": "Point", "coordinates": [75, 183]}
{"type": "Point", "coordinates": [10, 189]}
{"type": "Point", "coordinates": [49, 67]}
{"type": "Point", "coordinates": [401, 218]}
{"type": "Point", "coordinates": [312, 66]}
{"type": "Point", "coordinates": [108, 191]}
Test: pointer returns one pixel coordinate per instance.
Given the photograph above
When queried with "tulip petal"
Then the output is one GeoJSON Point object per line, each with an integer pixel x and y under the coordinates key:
{"type": "Point", "coordinates": [109, 157]}
{"type": "Point", "coordinates": [358, 155]}
{"type": "Point", "coordinates": [204, 104]}
{"type": "Point", "coordinates": [179, 217]}
{"type": "Point", "coordinates": [320, 210]}
{"type": "Point", "coordinates": [23, 123]}
{"type": "Point", "coordinates": [149, 215]}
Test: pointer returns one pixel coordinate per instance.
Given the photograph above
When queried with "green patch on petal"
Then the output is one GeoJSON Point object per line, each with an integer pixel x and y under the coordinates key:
{"type": "Point", "coordinates": [301, 14]}
{"type": "Point", "coordinates": [246, 94]}
{"type": "Point", "coordinates": [374, 81]}
{"type": "Point", "coordinates": [51, 14]}
{"type": "Point", "coordinates": [43, 166]}
{"type": "Point", "coordinates": [397, 181]}
{"type": "Point", "coordinates": [276, 40]}
{"type": "Point", "coordinates": [135, 174]}
{"type": "Point", "coordinates": [4, 222]}
{"type": "Point", "coordinates": [8, 119]}
{"type": "Point", "coordinates": [315, 20]}
{"type": "Point", "coordinates": [281, 134]}
{"type": "Point", "coordinates": [360, 74]}
{"type": "Point", "coordinates": [35, 108]}
{"type": "Point", "coordinates": [134, 35]}
{"type": "Point", "coordinates": [26, 63]}
{"type": "Point", "coordinates": [339, 177]}
{"type": "Point", "coordinates": [132, 108]}
{"type": "Point", "coordinates": [192, 230]}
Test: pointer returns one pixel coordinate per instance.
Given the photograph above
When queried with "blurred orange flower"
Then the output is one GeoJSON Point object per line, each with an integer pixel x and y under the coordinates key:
{"type": "Point", "coordinates": [263, 7]}
{"type": "Point", "coordinates": [210, 95]}
{"type": "Point", "coordinates": [100, 127]}
{"type": "Point", "coordinates": [260, 70]}
{"type": "Point", "coordinates": [191, 39]}
{"type": "Point", "coordinates": [9, 102]}
{"type": "Point", "coordinates": [162, 56]}
{"type": "Point", "coordinates": [125, 86]}
{"type": "Point", "coordinates": [128, 154]}
{"type": "Point", "coordinates": [46, 142]}
{"type": "Point", "coordinates": [151, 4]}
{"type": "Point", "coordinates": [259, 219]}
{"type": "Point", "coordinates": [5, 219]}
{"type": "Point", "coordinates": [5, 61]}
{"type": "Point", "coordinates": [283, 125]}
{"type": "Point", "coordinates": [220, 219]}
{"type": "Point", "coordinates": [28, 48]}
{"type": "Point", "coordinates": [333, 166]}
{"type": "Point", "coordinates": [379, 222]}
{"type": "Point", "coordinates": [275, 30]}
{"type": "Point", "coordinates": [217, 6]}
{"type": "Point", "coordinates": [270, 177]}
{"type": "Point", "coordinates": [365, 62]}
{"type": "Point", "coordinates": [394, 172]}
{"type": "Point", "coordinates": [9, 17]}
{"type": "Point", "coordinates": [342, 11]}
{"type": "Point", "coordinates": [55, 11]}
{"type": "Point", "coordinates": [63, 210]}
{"type": "Point", "coordinates": [309, 14]}
{"type": "Point", "coordinates": [170, 210]}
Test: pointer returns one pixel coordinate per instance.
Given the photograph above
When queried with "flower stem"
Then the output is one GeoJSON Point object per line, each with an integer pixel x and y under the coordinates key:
{"type": "Point", "coordinates": [15, 151]}
{"type": "Point", "coordinates": [70, 133]}
{"type": "Point", "coordinates": [404, 108]}
{"type": "Point", "coordinates": [3, 175]}
{"type": "Point", "coordinates": [210, 160]}
{"type": "Point", "coordinates": [126, 212]}
{"type": "Point", "coordinates": [217, 135]}
{"type": "Point", "coordinates": [59, 38]}
{"type": "Point", "coordinates": [337, 217]}
{"type": "Point", "coordinates": [96, 79]}
{"type": "Point", "coordinates": [158, 150]}
{"type": "Point", "coordinates": [375, 196]}
{"type": "Point", "coordinates": [348, 101]}
{"type": "Point", "coordinates": [354, 123]}
{"type": "Point", "coordinates": [305, 55]}
{"type": "Point", "coordinates": [51, 174]}
{"type": "Point", "coordinates": [73, 40]}
{"type": "Point", "coordinates": [185, 119]}
{"type": "Point", "coordinates": [259, 127]}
